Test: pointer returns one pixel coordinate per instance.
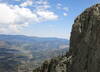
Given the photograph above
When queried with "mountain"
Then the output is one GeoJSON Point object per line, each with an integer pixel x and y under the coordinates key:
{"type": "Point", "coordinates": [19, 53]}
{"type": "Point", "coordinates": [84, 52]}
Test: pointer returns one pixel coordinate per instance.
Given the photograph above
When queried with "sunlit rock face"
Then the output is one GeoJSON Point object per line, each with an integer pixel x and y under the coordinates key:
{"type": "Point", "coordinates": [85, 41]}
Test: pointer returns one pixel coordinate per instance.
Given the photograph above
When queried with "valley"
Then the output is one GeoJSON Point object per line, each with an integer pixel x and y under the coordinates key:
{"type": "Point", "coordinates": [18, 52]}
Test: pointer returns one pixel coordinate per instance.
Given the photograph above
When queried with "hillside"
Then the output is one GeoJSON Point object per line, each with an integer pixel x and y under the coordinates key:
{"type": "Point", "coordinates": [22, 53]}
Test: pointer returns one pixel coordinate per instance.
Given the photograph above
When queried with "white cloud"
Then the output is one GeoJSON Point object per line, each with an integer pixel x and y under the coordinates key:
{"type": "Point", "coordinates": [59, 5]}
{"type": "Point", "coordinates": [25, 15]}
{"type": "Point", "coordinates": [47, 15]}
{"type": "Point", "coordinates": [26, 3]}
{"type": "Point", "coordinates": [42, 7]}
{"type": "Point", "coordinates": [6, 14]}
{"type": "Point", "coordinates": [65, 14]}
{"type": "Point", "coordinates": [13, 17]}
{"type": "Point", "coordinates": [63, 9]}
{"type": "Point", "coordinates": [41, 2]}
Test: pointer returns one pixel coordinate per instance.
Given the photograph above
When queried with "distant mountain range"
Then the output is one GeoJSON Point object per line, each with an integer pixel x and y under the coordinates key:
{"type": "Point", "coordinates": [19, 52]}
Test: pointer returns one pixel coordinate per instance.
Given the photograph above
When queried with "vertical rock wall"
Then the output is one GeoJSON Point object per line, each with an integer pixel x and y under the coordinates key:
{"type": "Point", "coordinates": [85, 41]}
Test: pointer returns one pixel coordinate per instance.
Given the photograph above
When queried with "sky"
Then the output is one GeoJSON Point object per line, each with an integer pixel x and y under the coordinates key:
{"type": "Point", "coordinates": [42, 18]}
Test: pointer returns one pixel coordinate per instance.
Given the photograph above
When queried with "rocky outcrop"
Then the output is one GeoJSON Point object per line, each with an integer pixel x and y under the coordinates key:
{"type": "Point", "coordinates": [57, 64]}
{"type": "Point", "coordinates": [85, 41]}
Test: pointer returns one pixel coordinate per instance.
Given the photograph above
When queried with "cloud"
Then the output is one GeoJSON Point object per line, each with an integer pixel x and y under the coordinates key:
{"type": "Point", "coordinates": [36, 3]}
{"type": "Point", "coordinates": [62, 8]}
{"type": "Point", "coordinates": [42, 7]}
{"type": "Point", "coordinates": [59, 5]}
{"type": "Point", "coordinates": [26, 3]}
{"type": "Point", "coordinates": [46, 15]}
{"type": "Point", "coordinates": [6, 14]}
{"type": "Point", "coordinates": [41, 2]}
{"type": "Point", "coordinates": [14, 17]}
{"type": "Point", "coordinates": [65, 14]}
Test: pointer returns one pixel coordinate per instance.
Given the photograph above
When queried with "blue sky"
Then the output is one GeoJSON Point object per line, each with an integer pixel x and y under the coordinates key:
{"type": "Point", "coordinates": [43, 18]}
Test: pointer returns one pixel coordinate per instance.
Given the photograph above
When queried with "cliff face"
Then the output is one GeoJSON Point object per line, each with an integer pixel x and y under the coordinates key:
{"type": "Point", "coordinates": [85, 41]}
{"type": "Point", "coordinates": [84, 54]}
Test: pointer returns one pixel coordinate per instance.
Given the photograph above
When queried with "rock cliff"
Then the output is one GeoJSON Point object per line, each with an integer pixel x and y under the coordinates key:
{"type": "Point", "coordinates": [84, 53]}
{"type": "Point", "coordinates": [85, 41]}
